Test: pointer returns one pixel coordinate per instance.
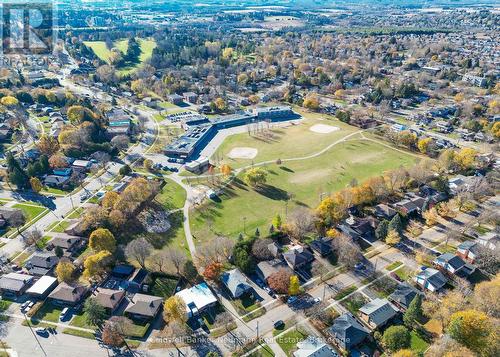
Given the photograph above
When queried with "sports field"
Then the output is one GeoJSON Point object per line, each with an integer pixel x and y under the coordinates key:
{"type": "Point", "coordinates": [294, 140]}
{"type": "Point", "coordinates": [101, 51]}
{"type": "Point", "coordinates": [304, 179]}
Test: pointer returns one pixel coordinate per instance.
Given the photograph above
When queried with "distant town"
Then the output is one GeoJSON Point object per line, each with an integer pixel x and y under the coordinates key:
{"type": "Point", "coordinates": [288, 178]}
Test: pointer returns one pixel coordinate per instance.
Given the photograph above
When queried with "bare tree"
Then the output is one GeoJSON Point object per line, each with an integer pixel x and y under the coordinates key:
{"type": "Point", "coordinates": [159, 261]}
{"type": "Point", "coordinates": [139, 250]}
{"type": "Point", "coordinates": [348, 252]}
{"type": "Point", "coordinates": [302, 222]}
{"type": "Point", "coordinates": [32, 237]}
{"type": "Point", "coordinates": [217, 250]}
{"type": "Point", "coordinates": [260, 249]}
{"type": "Point", "coordinates": [17, 220]}
{"type": "Point", "coordinates": [488, 260]}
{"type": "Point", "coordinates": [120, 142]}
{"type": "Point", "coordinates": [176, 259]}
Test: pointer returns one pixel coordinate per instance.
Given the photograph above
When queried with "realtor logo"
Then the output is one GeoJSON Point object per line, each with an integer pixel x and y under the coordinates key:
{"type": "Point", "coordinates": [27, 28]}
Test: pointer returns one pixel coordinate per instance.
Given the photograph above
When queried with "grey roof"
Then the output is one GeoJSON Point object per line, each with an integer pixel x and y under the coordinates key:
{"type": "Point", "coordinates": [348, 331]}
{"type": "Point", "coordinates": [145, 305]}
{"type": "Point", "coordinates": [297, 257]}
{"type": "Point", "coordinates": [403, 295]}
{"type": "Point", "coordinates": [15, 281]}
{"type": "Point", "coordinates": [453, 260]}
{"type": "Point", "coordinates": [383, 210]}
{"type": "Point", "coordinates": [235, 282]}
{"type": "Point", "coordinates": [433, 277]}
{"type": "Point", "coordinates": [379, 311]}
{"type": "Point", "coordinates": [45, 260]}
{"type": "Point", "coordinates": [65, 242]}
{"type": "Point", "coordinates": [269, 267]}
{"type": "Point", "coordinates": [109, 298]}
{"type": "Point", "coordinates": [68, 293]}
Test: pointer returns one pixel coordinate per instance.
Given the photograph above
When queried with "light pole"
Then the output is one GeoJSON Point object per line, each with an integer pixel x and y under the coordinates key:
{"type": "Point", "coordinates": [34, 335]}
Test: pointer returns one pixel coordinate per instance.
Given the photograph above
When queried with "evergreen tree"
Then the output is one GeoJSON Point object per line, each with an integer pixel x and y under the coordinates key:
{"type": "Point", "coordinates": [133, 51]}
{"type": "Point", "coordinates": [414, 312]}
{"type": "Point", "coordinates": [382, 229]}
{"type": "Point", "coordinates": [396, 224]}
{"type": "Point", "coordinates": [257, 232]}
{"type": "Point", "coordinates": [17, 176]}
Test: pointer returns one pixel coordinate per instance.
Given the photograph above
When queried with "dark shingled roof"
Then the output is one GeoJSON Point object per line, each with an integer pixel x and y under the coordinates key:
{"type": "Point", "coordinates": [348, 331]}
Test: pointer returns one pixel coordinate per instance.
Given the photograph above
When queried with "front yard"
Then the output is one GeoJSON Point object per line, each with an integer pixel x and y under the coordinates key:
{"type": "Point", "coordinates": [288, 341]}
{"type": "Point", "coordinates": [48, 312]}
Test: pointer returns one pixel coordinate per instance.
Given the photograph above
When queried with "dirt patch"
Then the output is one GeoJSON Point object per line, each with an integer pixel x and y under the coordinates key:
{"type": "Point", "coordinates": [323, 128]}
{"type": "Point", "coordinates": [243, 153]}
{"type": "Point", "coordinates": [310, 176]}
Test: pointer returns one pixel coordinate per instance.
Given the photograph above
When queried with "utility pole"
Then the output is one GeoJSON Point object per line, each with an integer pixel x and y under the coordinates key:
{"type": "Point", "coordinates": [34, 335]}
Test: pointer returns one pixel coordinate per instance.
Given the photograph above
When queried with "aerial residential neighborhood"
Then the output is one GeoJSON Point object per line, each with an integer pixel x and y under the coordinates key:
{"type": "Point", "coordinates": [250, 178]}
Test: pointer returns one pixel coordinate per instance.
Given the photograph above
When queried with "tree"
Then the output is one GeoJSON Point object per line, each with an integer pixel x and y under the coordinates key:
{"type": "Point", "coordinates": [226, 170]}
{"type": "Point", "coordinates": [111, 337]}
{"type": "Point", "coordinates": [109, 199]}
{"type": "Point", "coordinates": [280, 281]}
{"type": "Point", "coordinates": [133, 51]}
{"type": "Point", "coordinates": [396, 224]}
{"type": "Point", "coordinates": [424, 145]}
{"type": "Point", "coordinates": [485, 297]}
{"type": "Point", "coordinates": [301, 222]}
{"type": "Point", "coordinates": [466, 158]}
{"type": "Point", "coordinates": [396, 338]}
{"type": "Point", "coordinates": [48, 145]}
{"type": "Point", "coordinates": [347, 251]}
{"type": "Point", "coordinates": [139, 250]}
{"type": "Point", "coordinates": [414, 313]}
{"type": "Point", "coordinates": [404, 353]}
{"type": "Point", "coordinates": [213, 271]}
{"type": "Point", "coordinates": [102, 239]}
{"type": "Point", "coordinates": [125, 170]}
{"type": "Point", "coordinates": [96, 264]}
{"type": "Point", "coordinates": [448, 347]}
{"type": "Point", "coordinates": [488, 260]}
{"type": "Point", "coordinates": [471, 328]}
{"type": "Point", "coordinates": [311, 101]}
{"type": "Point", "coordinates": [392, 237]}
{"type": "Point", "coordinates": [220, 104]}
{"type": "Point", "coordinates": [95, 312]}
{"type": "Point", "coordinates": [431, 217]}
{"type": "Point", "coordinates": [120, 142]}
{"type": "Point", "coordinates": [59, 252]}
{"type": "Point", "coordinates": [255, 177]}
{"type": "Point", "coordinates": [17, 219]}
{"type": "Point", "coordinates": [243, 260]}
{"type": "Point", "coordinates": [294, 287]}
{"type": "Point", "coordinates": [382, 230]}
{"type": "Point", "coordinates": [58, 161]}
{"type": "Point", "coordinates": [260, 249]}
{"type": "Point", "coordinates": [174, 309]}
{"type": "Point", "coordinates": [36, 185]}
{"type": "Point", "coordinates": [148, 164]}
{"type": "Point", "coordinates": [277, 221]}
{"type": "Point", "coordinates": [65, 271]}
{"type": "Point", "coordinates": [176, 259]}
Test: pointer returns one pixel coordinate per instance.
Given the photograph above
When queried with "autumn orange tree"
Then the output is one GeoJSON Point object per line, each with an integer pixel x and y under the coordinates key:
{"type": "Point", "coordinates": [212, 271]}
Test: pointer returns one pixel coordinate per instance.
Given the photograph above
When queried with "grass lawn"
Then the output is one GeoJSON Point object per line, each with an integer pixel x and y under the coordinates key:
{"type": "Point", "coordinates": [101, 51]}
{"type": "Point", "coordinates": [76, 213]}
{"type": "Point", "coordinates": [79, 333]}
{"type": "Point", "coordinates": [304, 179]}
{"type": "Point", "coordinates": [164, 286]}
{"type": "Point", "coordinates": [344, 292]}
{"type": "Point", "coordinates": [137, 329]}
{"type": "Point", "coordinates": [80, 320]}
{"type": "Point", "coordinates": [172, 196]}
{"type": "Point", "coordinates": [446, 248]}
{"type": "Point", "coordinates": [288, 341]}
{"type": "Point", "coordinates": [418, 345]}
{"type": "Point", "coordinates": [42, 243]}
{"type": "Point", "coordinates": [21, 257]}
{"type": "Point", "coordinates": [30, 211]}
{"type": "Point", "coordinates": [48, 312]}
{"type": "Point", "coordinates": [384, 286]}
{"type": "Point", "coordinates": [264, 351]}
{"type": "Point", "coordinates": [393, 265]}
{"type": "Point", "coordinates": [354, 302]}
{"type": "Point", "coordinates": [403, 273]}
{"type": "Point", "coordinates": [59, 226]}
{"type": "Point", "coordinates": [4, 304]}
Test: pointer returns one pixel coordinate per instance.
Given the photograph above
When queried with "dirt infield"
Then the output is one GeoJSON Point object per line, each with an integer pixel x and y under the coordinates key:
{"type": "Point", "coordinates": [323, 128]}
{"type": "Point", "coordinates": [243, 153]}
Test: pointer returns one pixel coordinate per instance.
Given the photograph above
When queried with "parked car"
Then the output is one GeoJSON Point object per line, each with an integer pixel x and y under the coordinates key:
{"type": "Point", "coordinates": [359, 266]}
{"type": "Point", "coordinates": [317, 300]}
{"type": "Point", "coordinates": [42, 331]}
{"type": "Point", "coordinates": [278, 324]}
{"type": "Point", "coordinates": [291, 300]}
{"type": "Point", "coordinates": [64, 314]}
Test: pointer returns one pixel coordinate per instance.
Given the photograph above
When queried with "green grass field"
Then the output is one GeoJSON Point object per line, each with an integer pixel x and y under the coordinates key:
{"type": "Point", "coordinates": [172, 195]}
{"type": "Point", "coordinates": [101, 51]}
{"type": "Point", "coordinates": [306, 180]}
{"type": "Point", "coordinates": [30, 211]}
{"type": "Point", "coordinates": [288, 341]}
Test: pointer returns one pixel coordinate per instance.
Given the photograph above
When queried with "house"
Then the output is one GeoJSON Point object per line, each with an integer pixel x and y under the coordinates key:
{"type": "Point", "coordinates": [267, 268]}
{"type": "Point", "coordinates": [190, 97]}
{"type": "Point", "coordinates": [490, 240]}
{"type": "Point", "coordinates": [474, 80]}
{"type": "Point", "coordinates": [68, 295]}
{"type": "Point", "coordinates": [377, 313]}
{"type": "Point", "coordinates": [41, 263]}
{"type": "Point", "coordinates": [175, 99]}
{"type": "Point", "coordinates": [314, 347]}
{"type": "Point", "coordinates": [198, 166]}
{"type": "Point", "coordinates": [15, 284]}
{"type": "Point", "coordinates": [431, 279]}
{"type": "Point", "coordinates": [42, 287]}
{"type": "Point", "coordinates": [109, 299]}
{"type": "Point", "coordinates": [411, 205]}
{"type": "Point", "coordinates": [62, 171]}
{"type": "Point", "coordinates": [458, 183]}
{"type": "Point", "coordinates": [144, 307]}
{"type": "Point", "coordinates": [298, 257]}
{"type": "Point", "coordinates": [66, 242]}
{"type": "Point", "coordinates": [347, 332]}
{"type": "Point", "coordinates": [468, 250]}
{"type": "Point", "coordinates": [197, 299]}
{"type": "Point", "coordinates": [274, 249]}
{"type": "Point", "coordinates": [236, 283]}
{"type": "Point", "coordinates": [324, 246]}
{"type": "Point", "coordinates": [56, 181]}
{"type": "Point", "coordinates": [359, 228]}
{"type": "Point", "coordinates": [82, 165]}
{"type": "Point", "coordinates": [403, 296]}
{"type": "Point", "coordinates": [122, 271]}
{"type": "Point", "coordinates": [383, 211]}
{"type": "Point", "coordinates": [453, 264]}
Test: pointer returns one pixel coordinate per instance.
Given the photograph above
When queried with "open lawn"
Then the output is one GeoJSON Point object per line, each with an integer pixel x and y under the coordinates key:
{"type": "Point", "coordinates": [354, 302]}
{"type": "Point", "coordinates": [30, 211]}
{"type": "Point", "coordinates": [167, 134]}
{"type": "Point", "coordinates": [101, 51]}
{"type": "Point", "coordinates": [418, 345]}
{"type": "Point", "coordinates": [164, 286]}
{"type": "Point", "coordinates": [172, 195]}
{"type": "Point", "coordinates": [48, 312]}
{"type": "Point", "coordinates": [304, 180]}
